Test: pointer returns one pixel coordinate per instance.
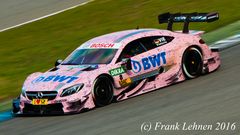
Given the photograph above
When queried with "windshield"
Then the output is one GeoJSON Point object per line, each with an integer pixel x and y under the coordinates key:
{"type": "Point", "coordinates": [90, 56]}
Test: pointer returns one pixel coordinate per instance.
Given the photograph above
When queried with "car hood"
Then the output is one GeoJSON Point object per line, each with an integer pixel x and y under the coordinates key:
{"type": "Point", "coordinates": [60, 77]}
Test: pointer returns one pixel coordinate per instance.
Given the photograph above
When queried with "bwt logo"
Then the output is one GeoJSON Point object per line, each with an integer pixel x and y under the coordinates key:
{"type": "Point", "coordinates": [55, 78]}
{"type": "Point", "coordinates": [148, 62]}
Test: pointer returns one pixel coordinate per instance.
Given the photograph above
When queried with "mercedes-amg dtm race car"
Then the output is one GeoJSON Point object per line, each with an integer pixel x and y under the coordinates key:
{"type": "Point", "coordinates": [119, 66]}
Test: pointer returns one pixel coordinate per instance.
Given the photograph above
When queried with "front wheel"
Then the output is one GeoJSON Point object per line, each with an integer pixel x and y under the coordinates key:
{"type": "Point", "coordinates": [192, 63]}
{"type": "Point", "coordinates": [102, 91]}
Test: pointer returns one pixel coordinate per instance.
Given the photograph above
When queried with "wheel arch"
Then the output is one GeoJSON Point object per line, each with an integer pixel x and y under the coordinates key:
{"type": "Point", "coordinates": [195, 46]}
{"type": "Point", "coordinates": [107, 75]}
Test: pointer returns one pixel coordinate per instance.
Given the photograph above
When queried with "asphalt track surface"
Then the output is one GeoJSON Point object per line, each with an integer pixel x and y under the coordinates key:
{"type": "Point", "coordinates": [205, 100]}
{"type": "Point", "coordinates": [13, 12]}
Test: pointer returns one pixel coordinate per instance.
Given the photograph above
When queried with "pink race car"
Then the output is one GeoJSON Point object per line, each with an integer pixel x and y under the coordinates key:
{"type": "Point", "coordinates": [119, 66]}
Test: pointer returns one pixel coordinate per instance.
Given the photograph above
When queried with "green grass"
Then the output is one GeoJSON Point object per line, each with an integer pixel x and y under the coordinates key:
{"type": "Point", "coordinates": [5, 105]}
{"type": "Point", "coordinates": [36, 46]}
{"type": "Point", "coordinates": [223, 32]}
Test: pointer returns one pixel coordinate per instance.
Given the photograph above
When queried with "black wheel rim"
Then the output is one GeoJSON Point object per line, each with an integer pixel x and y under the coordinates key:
{"type": "Point", "coordinates": [193, 62]}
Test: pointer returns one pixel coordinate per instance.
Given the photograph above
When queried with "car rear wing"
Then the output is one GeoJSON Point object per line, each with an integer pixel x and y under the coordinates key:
{"type": "Point", "coordinates": [186, 18]}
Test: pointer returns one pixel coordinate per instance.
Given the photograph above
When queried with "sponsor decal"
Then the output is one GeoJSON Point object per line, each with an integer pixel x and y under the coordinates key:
{"type": "Point", "coordinates": [146, 63]}
{"type": "Point", "coordinates": [160, 41]}
{"type": "Point", "coordinates": [136, 66]}
{"type": "Point", "coordinates": [213, 16]}
{"type": "Point", "coordinates": [40, 101]}
{"type": "Point", "coordinates": [125, 82]}
{"type": "Point", "coordinates": [55, 78]}
{"type": "Point", "coordinates": [117, 71]}
{"type": "Point", "coordinates": [146, 75]}
{"type": "Point", "coordinates": [192, 18]}
{"type": "Point", "coordinates": [201, 18]}
{"type": "Point", "coordinates": [102, 45]}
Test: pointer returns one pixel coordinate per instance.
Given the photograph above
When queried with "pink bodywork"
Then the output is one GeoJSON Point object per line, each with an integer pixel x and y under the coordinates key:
{"type": "Point", "coordinates": [173, 73]}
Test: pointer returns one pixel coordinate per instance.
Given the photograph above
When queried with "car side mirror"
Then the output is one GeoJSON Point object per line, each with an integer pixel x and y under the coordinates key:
{"type": "Point", "coordinates": [58, 62]}
{"type": "Point", "coordinates": [127, 63]}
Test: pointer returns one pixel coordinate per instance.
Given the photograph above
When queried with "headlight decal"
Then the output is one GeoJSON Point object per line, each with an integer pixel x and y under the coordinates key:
{"type": "Point", "coordinates": [23, 92]}
{"type": "Point", "coordinates": [71, 90]}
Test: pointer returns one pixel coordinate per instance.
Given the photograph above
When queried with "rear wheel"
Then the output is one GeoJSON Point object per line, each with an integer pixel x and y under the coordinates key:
{"type": "Point", "coordinates": [103, 91]}
{"type": "Point", "coordinates": [192, 63]}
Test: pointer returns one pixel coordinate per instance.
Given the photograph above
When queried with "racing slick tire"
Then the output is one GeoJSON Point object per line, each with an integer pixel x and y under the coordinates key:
{"type": "Point", "coordinates": [192, 63]}
{"type": "Point", "coordinates": [102, 91]}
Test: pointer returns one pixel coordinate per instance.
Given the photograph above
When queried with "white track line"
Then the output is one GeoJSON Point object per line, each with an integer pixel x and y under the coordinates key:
{"type": "Point", "coordinates": [226, 43]}
{"type": "Point", "coordinates": [15, 26]}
